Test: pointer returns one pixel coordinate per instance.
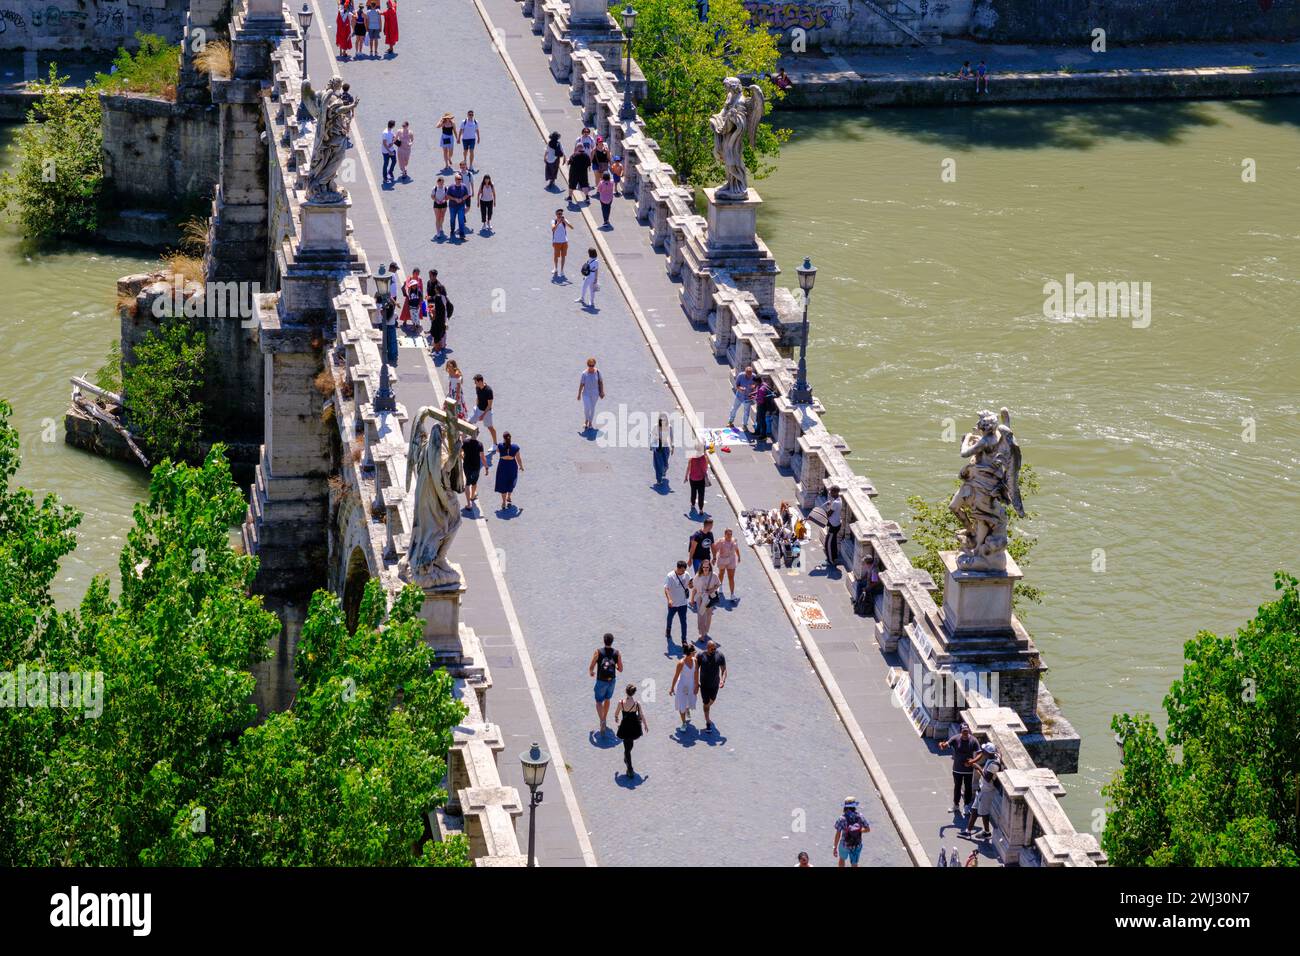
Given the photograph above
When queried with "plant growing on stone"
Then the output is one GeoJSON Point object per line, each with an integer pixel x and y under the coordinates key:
{"type": "Point", "coordinates": [1221, 786]}
{"type": "Point", "coordinates": [163, 390]}
{"type": "Point", "coordinates": [154, 67]}
{"type": "Point", "coordinates": [933, 528]}
{"type": "Point", "coordinates": [53, 189]}
{"type": "Point", "coordinates": [215, 59]}
{"type": "Point", "coordinates": [685, 61]}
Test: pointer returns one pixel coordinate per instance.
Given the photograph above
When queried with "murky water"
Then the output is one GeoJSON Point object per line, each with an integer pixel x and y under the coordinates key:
{"type": "Point", "coordinates": [58, 316]}
{"type": "Point", "coordinates": [1169, 452]}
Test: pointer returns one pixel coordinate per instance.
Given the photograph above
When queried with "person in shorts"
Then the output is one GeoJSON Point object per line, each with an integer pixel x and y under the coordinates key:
{"type": "Point", "coordinates": [606, 665]}
{"type": "Point", "coordinates": [374, 25]}
{"type": "Point", "coordinates": [713, 677]}
{"type": "Point", "coordinates": [469, 138]}
{"type": "Point", "coordinates": [559, 244]}
{"type": "Point", "coordinates": [483, 406]}
{"type": "Point", "coordinates": [849, 830]}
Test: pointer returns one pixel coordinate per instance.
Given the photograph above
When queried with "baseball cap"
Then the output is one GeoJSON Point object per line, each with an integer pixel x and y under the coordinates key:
{"type": "Point", "coordinates": [850, 803]}
{"type": "Point", "coordinates": [989, 749]}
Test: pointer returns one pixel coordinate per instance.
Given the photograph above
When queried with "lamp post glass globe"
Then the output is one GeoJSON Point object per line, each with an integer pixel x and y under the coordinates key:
{"type": "Point", "coordinates": [534, 762]}
{"type": "Point", "coordinates": [304, 18]}
{"type": "Point", "coordinates": [802, 394]}
{"type": "Point", "coordinates": [380, 278]}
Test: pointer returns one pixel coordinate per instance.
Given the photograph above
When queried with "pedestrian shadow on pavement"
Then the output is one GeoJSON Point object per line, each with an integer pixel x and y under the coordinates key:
{"type": "Point", "coordinates": [507, 514]}
{"type": "Point", "coordinates": [591, 310]}
{"type": "Point", "coordinates": [603, 741]}
{"type": "Point", "coordinates": [630, 783]}
{"type": "Point", "coordinates": [711, 737]}
{"type": "Point", "coordinates": [687, 736]}
{"type": "Point", "coordinates": [662, 487]}
{"type": "Point", "coordinates": [591, 434]}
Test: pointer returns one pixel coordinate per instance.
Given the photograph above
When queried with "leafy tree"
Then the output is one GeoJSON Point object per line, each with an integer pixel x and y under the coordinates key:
{"type": "Point", "coordinates": [1222, 786]}
{"type": "Point", "coordinates": [685, 61]}
{"type": "Point", "coordinates": [54, 188]}
{"type": "Point", "coordinates": [934, 528]}
{"type": "Point", "coordinates": [163, 389]}
{"type": "Point", "coordinates": [170, 772]}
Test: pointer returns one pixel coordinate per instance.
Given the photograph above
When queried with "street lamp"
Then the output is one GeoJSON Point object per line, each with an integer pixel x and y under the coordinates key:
{"type": "Point", "coordinates": [627, 113]}
{"type": "Point", "coordinates": [385, 400]}
{"type": "Point", "coordinates": [304, 21]}
{"type": "Point", "coordinates": [802, 394]}
{"type": "Point", "coordinates": [534, 762]}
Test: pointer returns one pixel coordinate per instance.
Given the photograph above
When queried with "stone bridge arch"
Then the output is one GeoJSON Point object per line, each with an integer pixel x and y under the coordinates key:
{"type": "Point", "coordinates": [353, 561]}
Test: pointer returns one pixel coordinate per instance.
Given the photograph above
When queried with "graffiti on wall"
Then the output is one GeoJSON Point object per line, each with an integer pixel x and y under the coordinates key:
{"type": "Point", "coordinates": [809, 16]}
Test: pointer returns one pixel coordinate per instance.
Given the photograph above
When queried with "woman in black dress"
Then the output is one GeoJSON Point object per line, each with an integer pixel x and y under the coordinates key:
{"type": "Point", "coordinates": [631, 724]}
{"type": "Point", "coordinates": [579, 164]}
{"type": "Point", "coordinates": [553, 156]}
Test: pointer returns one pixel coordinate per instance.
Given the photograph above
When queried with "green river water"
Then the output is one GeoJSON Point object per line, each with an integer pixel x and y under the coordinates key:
{"type": "Point", "coordinates": [929, 306]}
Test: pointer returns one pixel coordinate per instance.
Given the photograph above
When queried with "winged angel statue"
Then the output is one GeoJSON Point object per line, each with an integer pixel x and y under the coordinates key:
{"type": "Point", "coordinates": [733, 126]}
{"type": "Point", "coordinates": [433, 461]}
{"type": "Point", "coordinates": [332, 109]}
{"type": "Point", "coordinates": [990, 482]}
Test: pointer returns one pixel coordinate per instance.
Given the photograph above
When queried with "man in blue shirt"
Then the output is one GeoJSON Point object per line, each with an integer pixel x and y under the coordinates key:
{"type": "Point", "coordinates": [743, 397]}
{"type": "Point", "coordinates": [849, 829]}
{"type": "Point", "coordinates": [458, 198]}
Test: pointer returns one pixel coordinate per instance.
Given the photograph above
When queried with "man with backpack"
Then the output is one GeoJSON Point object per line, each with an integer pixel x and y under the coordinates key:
{"type": "Point", "coordinates": [606, 664]}
{"type": "Point", "coordinates": [849, 829]}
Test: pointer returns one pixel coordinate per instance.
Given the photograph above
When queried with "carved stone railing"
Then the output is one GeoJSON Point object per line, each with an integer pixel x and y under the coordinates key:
{"type": "Point", "coordinates": [372, 474]}
{"type": "Point", "coordinates": [1031, 828]}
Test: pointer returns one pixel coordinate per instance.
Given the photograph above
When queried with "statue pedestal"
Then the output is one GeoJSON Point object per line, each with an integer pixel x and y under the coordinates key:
{"type": "Point", "coordinates": [324, 227]}
{"type": "Point", "coordinates": [733, 224]}
{"type": "Point", "coordinates": [441, 615]}
{"type": "Point", "coordinates": [977, 603]}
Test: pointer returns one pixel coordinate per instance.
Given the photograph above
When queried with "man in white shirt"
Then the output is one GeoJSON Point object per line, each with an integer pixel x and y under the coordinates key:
{"type": "Point", "coordinates": [677, 589]}
{"type": "Point", "coordinates": [834, 514]}
{"type": "Point", "coordinates": [469, 137]}
{"type": "Point", "coordinates": [388, 147]}
{"type": "Point", "coordinates": [586, 141]}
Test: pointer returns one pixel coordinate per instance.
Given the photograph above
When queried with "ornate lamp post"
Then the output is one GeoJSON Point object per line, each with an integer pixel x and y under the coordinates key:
{"type": "Point", "coordinates": [802, 394]}
{"type": "Point", "coordinates": [627, 112]}
{"type": "Point", "coordinates": [385, 400]}
{"type": "Point", "coordinates": [304, 21]}
{"type": "Point", "coordinates": [534, 761]}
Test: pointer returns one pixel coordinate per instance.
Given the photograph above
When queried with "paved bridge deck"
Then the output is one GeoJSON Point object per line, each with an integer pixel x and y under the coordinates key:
{"type": "Point", "coordinates": [593, 540]}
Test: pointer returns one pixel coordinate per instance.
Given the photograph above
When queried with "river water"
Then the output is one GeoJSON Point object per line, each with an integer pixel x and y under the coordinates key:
{"type": "Point", "coordinates": [57, 319]}
{"type": "Point", "coordinates": [1159, 515]}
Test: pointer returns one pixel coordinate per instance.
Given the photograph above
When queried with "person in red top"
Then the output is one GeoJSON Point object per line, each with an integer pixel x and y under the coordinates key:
{"type": "Point", "coordinates": [390, 25]}
{"type": "Point", "coordinates": [697, 473]}
{"type": "Point", "coordinates": [343, 29]}
{"type": "Point", "coordinates": [412, 295]}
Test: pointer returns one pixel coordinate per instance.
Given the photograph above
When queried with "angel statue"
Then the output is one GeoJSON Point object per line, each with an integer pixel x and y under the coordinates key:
{"type": "Point", "coordinates": [332, 109]}
{"type": "Point", "coordinates": [733, 126]}
{"type": "Point", "coordinates": [435, 463]}
{"type": "Point", "coordinates": [990, 482]}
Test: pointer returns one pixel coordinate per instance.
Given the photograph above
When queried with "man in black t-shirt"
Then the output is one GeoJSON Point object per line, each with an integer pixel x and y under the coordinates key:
{"type": "Point", "coordinates": [713, 677]}
{"type": "Point", "coordinates": [483, 406]}
{"type": "Point", "coordinates": [701, 546]}
{"type": "Point", "coordinates": [964, 748]}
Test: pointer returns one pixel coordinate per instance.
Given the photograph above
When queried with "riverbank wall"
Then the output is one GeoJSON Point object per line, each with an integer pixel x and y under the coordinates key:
{"type": "Point", "coordinates": [848, 88]}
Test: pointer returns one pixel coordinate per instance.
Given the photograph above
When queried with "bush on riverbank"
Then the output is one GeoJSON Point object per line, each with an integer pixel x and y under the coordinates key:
{"type": "Point", "coordinates": [158, 764]}
{"type": "Point", "coordinates": [154, 68]}
{"type": "Point", "coordinates": [1221, 787]}
{"type": "Point", "coordinates": [685, 61]}
{"type": "Point", "coordinates": [163, 390]}
{"type": "Point", "coordinates": [53, 189]}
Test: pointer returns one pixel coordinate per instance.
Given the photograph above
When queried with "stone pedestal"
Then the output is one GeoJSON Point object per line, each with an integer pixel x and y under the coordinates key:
{"type": "Point", "coordinates": [441, 615]}
{"type": "Point", "coordinates": [324, 227]}
{"type": "Point", "coordinates": [977, 603]}
{"type": "Point", "coordinates": [733, 224]}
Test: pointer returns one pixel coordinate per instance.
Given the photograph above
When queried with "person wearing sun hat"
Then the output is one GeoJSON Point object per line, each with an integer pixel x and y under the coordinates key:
{"type": "Point", "coordinates": [849, 829]}
{"type": "Point", "coordinates": [986, 771]}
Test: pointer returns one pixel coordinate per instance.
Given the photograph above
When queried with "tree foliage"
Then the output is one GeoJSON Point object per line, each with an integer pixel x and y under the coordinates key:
{"type": "Point", "coordinates": [163, 390]}
{"type": "Point", "coordinates": [685, 61]}
{"type": "Point", "coordinates": [153, 67]}
{"type": "Point", "coordinates": [54, 187]}
{"type": "Point", "coordinates": [172, 771]}
{"type": "Point", "coordinates": [1221, 787]}
{"type": "Point", "coordinates": [933, 528]}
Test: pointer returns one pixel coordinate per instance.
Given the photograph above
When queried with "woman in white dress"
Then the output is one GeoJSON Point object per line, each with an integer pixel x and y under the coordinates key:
{"type": "Point", "coordinates": [590, 388]}
{"type": "Point", "coordinates": [456, 388]}
{"type": "Point", "coordinates": [704, 594]}
{"type": "Point", "coordinates": [686, 685]}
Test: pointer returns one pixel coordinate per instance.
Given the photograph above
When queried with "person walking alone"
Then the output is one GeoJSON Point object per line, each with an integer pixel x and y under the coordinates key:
{"type": "Point", "coordinates": [662, 449]}
{"type": "Point", "coordinates": [388, 149]}
{"type": "Point", "coordinates": [727, 553]}
{"type": "Point", "coordinates": [553, 158]}
{"type": "Point", "coordinates": [559, 244]}
{"type": "Point", "coordinates": [487, 201]}
{"type": "Point", "coordinates": [686, 686]}
{"type": "Point", "coordinates": [704, 594]}
{"type": "Point", "coordinates": [697, 474]}
{"type": "Point", "coordinates": [849, 829]}
{"type": "Point", "coordinates": [509, 464]}
{"type": "Point", "coordinates": [591, 386]}
{"type": "Point", "coordinates": [590, 279]}
{"type": "Point", "coordinates": [405, 140]}
{"type": "Point", "coordinates": [713, 677]}
{"type": "Point", "coordinates": [677, 590]}
{"type": "Point", "coordinates": [606, 665]}
{"type": "Point", "coordinates": [631, 724]}
{"type": "Point", "coordinates": [605, 193]}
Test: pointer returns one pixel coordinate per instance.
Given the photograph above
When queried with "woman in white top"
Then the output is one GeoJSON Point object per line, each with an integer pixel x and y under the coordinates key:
{"type": "Point", "coordinates": [487, 200]}
{"type": "Point", "coordinates": [559, 243]}
{"type": "Point", "coordinates": [590, 271]}
{"type": "Point", "coordinates": [704, 588]}
{"type": "Point", "coordinates": [686, 685]}
{"type": "Point", "coordinates": [456, 388]}
{"type": "Point", "coordinates": [439, 197]}
{"type": "Point", "coordinates": [590, 387]}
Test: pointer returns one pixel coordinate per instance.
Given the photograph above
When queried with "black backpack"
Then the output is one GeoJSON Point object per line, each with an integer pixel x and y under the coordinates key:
{"type": "Point", "coordinates": [853, 827]}
{"type": "Point", "coordinates": [606, 666]}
